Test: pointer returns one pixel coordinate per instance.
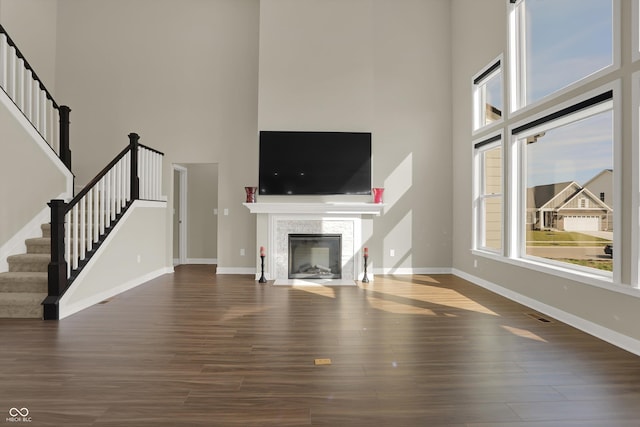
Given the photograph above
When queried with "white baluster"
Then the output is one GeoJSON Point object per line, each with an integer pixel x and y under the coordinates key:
{"type": "Point", "coordinates": [116, 178]}
{"type": "Point", "coordinates": [96, 213]}
{"type": "Point", "coordinates": [21, 88]}
{"type": "Point", "coordinates": [103, 204]}
{"type": "Point", "coordinates": [41, 105]}
{"type": "Point", "coordinates": [11, 73]}
{"type": "Point", "coordinates": [74, 237]}
{"type": "Point", "coordinates": [67, 242]}
{"type": "Point", "coordinates": [35, 103]}
{"type": "Point", "coordinates": [107, 189]}
{"type": "Point", "coordinates": [127, 172]}
{"type": "Point", "coordinates": [55, 130]}
{"type": "Point", "coordinates": [83, 228]}
{"type": "Point", "coordinates": [124, 179]}
{"type": "Point", "coordinates": [89, 236]}
{"type": "Point", "coordinates": [112, 196]}
{"type": "Point", "coordinates": [49, 113]}
{"type": "Point", "coordinates": [4, 60]}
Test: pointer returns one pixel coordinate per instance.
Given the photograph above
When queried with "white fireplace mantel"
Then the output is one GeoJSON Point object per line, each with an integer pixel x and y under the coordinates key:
{"type": "Point", "coordinates": [316, 208]}
{"type": "Point", "coordinates": [277, 220]}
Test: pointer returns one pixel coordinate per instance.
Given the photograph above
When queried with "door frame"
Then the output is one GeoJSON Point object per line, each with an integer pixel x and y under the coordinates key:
{"type": "Point", "coordinates": [182, 213]}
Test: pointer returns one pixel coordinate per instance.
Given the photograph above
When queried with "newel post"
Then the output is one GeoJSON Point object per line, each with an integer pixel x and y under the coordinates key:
{"type": "Point", "coordinates": [65, 152]}
{"type": "Point", "coordinates": [57, 270]}
{"type": "Point", "coordinates": [135, 181]}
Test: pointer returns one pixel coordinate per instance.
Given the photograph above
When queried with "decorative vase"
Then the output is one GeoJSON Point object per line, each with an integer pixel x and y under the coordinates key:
{"type": "Point", "coordinates": [377, 195]}
{"type": "Point", "coordinates": [251, 194]}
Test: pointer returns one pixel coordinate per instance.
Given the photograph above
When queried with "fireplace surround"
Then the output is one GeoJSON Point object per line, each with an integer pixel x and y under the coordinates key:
{"type": "Point", "coordinates": [275, 221]}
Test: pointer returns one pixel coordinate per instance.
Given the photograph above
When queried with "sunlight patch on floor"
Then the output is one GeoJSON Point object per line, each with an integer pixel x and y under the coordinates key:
{"type": "Point", "coordinates": [325, 291]}
{"type": "Point", "coordinates": [438, 296]}
{"type": "Point", "coordinates": [398, 308]}
{"type": "Point", "coordinates": [523, 333]}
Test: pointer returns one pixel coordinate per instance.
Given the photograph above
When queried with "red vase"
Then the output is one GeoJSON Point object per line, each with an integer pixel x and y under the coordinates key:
{"type": "Point", "coordinates": [251, 194]}
{"type": "Point", "coordinates": [377, 195]}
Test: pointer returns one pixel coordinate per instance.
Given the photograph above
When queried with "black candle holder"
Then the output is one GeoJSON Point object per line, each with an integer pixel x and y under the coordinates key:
{"type": "Point", "coordinates": [365, 279]}
{"type": "Point", "coordinates": [262, 278]}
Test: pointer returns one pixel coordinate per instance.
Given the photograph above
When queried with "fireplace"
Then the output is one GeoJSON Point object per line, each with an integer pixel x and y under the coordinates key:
{"type": "Point", "coordinates": [315, 256]}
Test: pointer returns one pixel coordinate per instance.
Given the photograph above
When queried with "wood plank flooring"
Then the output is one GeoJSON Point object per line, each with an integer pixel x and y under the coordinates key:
{"type": "Point", "coordinates": [196, 349]}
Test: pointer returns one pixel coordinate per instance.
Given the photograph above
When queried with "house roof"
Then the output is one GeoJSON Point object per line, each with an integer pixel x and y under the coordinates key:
{"type": "Point", "coordinates": [541, 195]}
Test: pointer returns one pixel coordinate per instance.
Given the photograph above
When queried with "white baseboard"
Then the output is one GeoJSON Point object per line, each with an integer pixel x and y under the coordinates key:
{"type": "Point", "coordinates": [235, 270]}
{"type": "Point", "coordinates": [207, 261]}
{"type": "Point", "coordinates": [424, 270]}
{"type": "Point", "coordinates": [66, 311]}
{"type": "Point", "coordinates": [612, 337]}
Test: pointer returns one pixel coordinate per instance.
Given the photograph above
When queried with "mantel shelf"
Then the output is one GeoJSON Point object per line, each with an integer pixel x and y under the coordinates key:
{"type": "Point", "coordinates": [327, 208]}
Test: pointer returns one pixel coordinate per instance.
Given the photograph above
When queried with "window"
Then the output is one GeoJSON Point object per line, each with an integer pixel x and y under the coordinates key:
{"type": "Point", "coordinates": [567, 157]}
{"type": "Point", "coordinates": [488, 94]}
{"type": "Point", "coordinates": [555, 44]}
{"type": "Point", "coordinates": [488, 168]}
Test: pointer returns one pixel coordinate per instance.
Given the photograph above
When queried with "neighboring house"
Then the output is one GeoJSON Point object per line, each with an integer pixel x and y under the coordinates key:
{"type": "Point", "coordinates": [567, 206]}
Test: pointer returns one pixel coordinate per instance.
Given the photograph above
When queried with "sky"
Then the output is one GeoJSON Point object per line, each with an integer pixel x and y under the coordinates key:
{"type": "Point", "coordinates": [575, 152]}
{"type": "Point", "coordinates": [568, 40]}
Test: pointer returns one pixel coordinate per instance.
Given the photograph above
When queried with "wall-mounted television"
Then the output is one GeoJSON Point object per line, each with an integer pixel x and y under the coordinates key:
{"type": "Point", "coordinates": [314, 163]}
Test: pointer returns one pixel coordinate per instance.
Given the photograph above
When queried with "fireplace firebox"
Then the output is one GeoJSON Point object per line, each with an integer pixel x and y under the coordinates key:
{"type": "Point", "coordinates": [315, 256]}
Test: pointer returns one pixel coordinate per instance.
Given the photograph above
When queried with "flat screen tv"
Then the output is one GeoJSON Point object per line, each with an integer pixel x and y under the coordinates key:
{"type": "Point", "coordinates": [314, 163]}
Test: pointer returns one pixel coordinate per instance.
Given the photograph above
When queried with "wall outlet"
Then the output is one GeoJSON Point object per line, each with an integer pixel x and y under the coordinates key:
{"type": "Point", "coordinates": [226, 211]}
{"type": "Point", "coordinates": [241, 252]}
{"type": "Point", "coordinates": [475, 263]}
{"type": "Point", "coordinates": [139, 259]}
{"type": "Point", "coordinates": [392, 252]}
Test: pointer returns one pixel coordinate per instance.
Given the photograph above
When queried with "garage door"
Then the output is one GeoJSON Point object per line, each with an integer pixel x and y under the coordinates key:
{"type": "Point", "coordinates": [582, 223]}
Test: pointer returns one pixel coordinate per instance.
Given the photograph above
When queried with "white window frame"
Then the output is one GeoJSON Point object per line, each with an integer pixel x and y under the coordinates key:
{"type": "Point", "coordinates": [635, 28]}
{"type": "Point", "coordinates": [494, 140]}
{"type": "Point", "coordinates": [479, 95]}
{"type": "Point", "coordinates": [516, 242]}
{"type": "Point", "coordinates": [635, 175]}
{"type": "Point", "coordinates": [517, 62]}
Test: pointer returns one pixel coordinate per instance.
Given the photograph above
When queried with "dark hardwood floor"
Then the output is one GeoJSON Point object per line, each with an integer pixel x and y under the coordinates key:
{"type": "Point", "coordinates": [195, 349]}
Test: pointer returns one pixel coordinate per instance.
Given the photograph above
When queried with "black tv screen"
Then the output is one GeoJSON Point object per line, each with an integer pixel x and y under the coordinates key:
{"type": "Point", "coordinates": [314, 163]}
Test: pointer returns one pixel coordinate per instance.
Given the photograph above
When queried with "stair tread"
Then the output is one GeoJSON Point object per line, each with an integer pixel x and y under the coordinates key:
{"type": "Point", "coordinates": [40, 240]}
{"type": "Point", "coordinates": [27, 257]}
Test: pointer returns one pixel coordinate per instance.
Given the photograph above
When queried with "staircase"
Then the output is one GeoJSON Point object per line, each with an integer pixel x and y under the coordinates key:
{"type": "Point", "coordinates": [24, 286]}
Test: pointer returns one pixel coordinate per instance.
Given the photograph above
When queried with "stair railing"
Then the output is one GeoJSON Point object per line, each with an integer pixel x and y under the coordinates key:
{"type": "Point", "coordinates": [21, 83]}
{"type": "Point", "coordinates": [79, 227]}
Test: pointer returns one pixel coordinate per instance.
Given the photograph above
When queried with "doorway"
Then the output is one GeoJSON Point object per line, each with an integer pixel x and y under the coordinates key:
{"type": "Point", "coordinates": [195, 219]}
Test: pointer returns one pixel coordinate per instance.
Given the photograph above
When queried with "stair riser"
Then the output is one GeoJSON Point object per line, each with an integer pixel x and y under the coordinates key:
{"type": "Point", "coordinates": [35, 287]}
{"type": "Point", "coordinates": [19, 311]}
{"type": "Point", "coordinates": [29, 267]}
{"type": "Point", "coordinates": [38, 248]}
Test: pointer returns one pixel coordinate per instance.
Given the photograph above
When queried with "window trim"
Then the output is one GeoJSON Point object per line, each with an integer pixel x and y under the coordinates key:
{"type": "Point", "coordinates": [487, 72]}
{"type": "Point", "coordinates": [516, 250]}
{"type": "Point", "coordinates": [480, 146]}
{"type": "Point", "coordinates": [517, 65]}
{"type": "Point", "coordinates": [635, 180]}
{"type": "Point", "coordinates": [635, 30]}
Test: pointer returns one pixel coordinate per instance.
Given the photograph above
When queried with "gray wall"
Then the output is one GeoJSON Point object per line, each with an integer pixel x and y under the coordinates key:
{"type": "Point", "coordinates": [478, 36]}
{"type": "Point", "coordinates": [182, 74]}
{"type": "Point", "coordinates": [377, 66]}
